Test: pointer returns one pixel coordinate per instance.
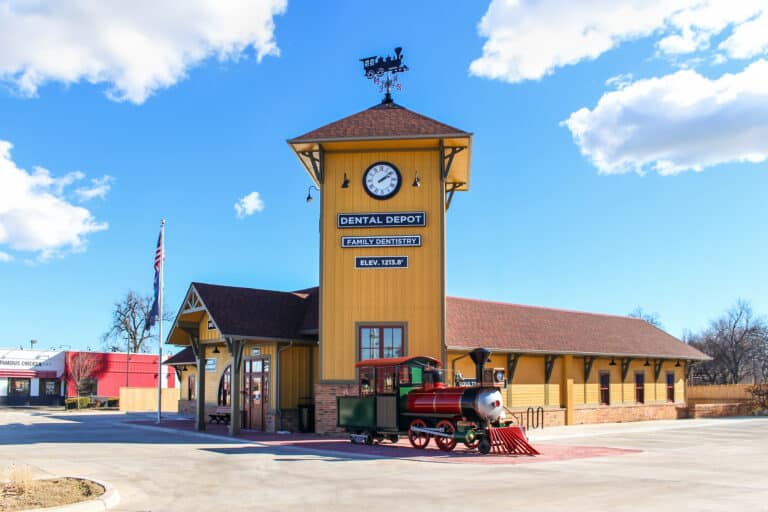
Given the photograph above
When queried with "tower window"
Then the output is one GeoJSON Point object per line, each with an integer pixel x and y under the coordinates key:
{"type": "Point", "coordinates": [379, 341]}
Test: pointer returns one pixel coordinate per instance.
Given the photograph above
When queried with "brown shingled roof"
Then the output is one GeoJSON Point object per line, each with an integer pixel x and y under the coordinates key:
{"type": "Point", "coordinates": [186, 356]}
{"type": "Point", "coordinates": [250, 312]}
{"type": "Point", "coordinates": [383, 121]}
{"type": "Point", "coordinates": [528, 329]}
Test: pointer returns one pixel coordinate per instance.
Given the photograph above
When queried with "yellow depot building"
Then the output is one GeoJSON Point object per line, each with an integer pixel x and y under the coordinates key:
{"type": "Point", "coordinates": [387, 176]}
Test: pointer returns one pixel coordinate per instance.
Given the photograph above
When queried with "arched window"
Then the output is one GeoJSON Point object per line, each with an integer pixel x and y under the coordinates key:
{"type": "Point", "coordinates": [225, 386]}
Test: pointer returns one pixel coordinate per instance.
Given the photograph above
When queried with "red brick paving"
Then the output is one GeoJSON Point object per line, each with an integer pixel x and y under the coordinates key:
{"type": "Point", "coordinates": [401, 450]}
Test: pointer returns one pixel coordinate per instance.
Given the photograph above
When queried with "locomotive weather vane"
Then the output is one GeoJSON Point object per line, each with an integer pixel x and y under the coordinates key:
{"type": "Point", "coordinates": [383, 72]}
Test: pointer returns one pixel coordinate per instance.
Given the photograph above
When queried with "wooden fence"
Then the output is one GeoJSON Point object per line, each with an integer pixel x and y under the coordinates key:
{"type": "Point", "coordinates": [721, 393]}
{"type": "Point", "coordinates": [145, 399]}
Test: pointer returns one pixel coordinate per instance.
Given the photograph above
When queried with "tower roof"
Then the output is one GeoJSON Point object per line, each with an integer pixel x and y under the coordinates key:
{"type": "Point", "coordinates": [382, 121]}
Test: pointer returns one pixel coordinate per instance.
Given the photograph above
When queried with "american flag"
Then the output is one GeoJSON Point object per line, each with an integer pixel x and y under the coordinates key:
{"type": "Point", "coordinates": [154, 313]}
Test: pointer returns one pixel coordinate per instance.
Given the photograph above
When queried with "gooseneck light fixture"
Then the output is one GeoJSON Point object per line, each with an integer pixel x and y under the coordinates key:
{"type": "Point", "coordinates": [345, 183]}
{"type": "Point", "coordinates": [613, 362]}
{"type": "Point", "coordinates": [416, 180]}
{"type": "Point", "coordinates": [309, 193]}
{"type": "Point", "coordinates": [216, 349]}
{"type": "Point", "coordinates": [647, 362]}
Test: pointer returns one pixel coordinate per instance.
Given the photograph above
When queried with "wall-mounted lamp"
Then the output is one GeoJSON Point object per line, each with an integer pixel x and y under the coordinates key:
{"type": "Point", "coordinates": [309, 193]}
{"type": "Point", "coordinates": [613, 362]}
{"type": "Point", "coordinates": [677, 364]}
{"type": "Point", "coordinates": [184, 368]}
{"type": "Point", "coordinates": [345, 183]}
{"type": "Point", "coordinates": [216, 349]}
{"type": "Point", "coordinates": [416, 180]}
{"type": "Point", "coordinates": [647, 362]}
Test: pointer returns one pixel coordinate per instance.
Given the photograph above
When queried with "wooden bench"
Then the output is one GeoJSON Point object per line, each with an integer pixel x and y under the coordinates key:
{"type": "Point", "coordinates": [221, 415]}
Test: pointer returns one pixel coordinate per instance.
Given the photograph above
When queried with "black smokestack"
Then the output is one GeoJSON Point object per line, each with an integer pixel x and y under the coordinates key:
{"type": "Point", "coordinates": [479, 357]}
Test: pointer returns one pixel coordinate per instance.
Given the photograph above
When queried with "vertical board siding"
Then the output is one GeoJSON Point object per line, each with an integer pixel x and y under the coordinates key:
{"type": "Point", "coordinates": [349, 295]}
{"type": "Point", "coordinates": [294, 376]}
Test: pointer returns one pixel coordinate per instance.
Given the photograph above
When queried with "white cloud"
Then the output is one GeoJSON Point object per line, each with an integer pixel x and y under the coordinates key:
{"type": "Point", "coordinates": [248, 205]}
{"type": "Point", "coordinates": [529, 39]}
{"type": "Point", "coordinates": [35, 215]}
{"type": "Point", "coordinates": [137, 46]}
{"type": "Point", "coordinates": [682, 121]}
{"type": "Point", "coordinates": [5, 257]}
{"type": "Point", "coordinates": [98, 188]}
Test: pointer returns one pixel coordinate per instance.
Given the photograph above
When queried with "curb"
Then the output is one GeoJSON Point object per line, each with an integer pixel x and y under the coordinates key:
{"type": "Point", "coordinates": [109, 499]}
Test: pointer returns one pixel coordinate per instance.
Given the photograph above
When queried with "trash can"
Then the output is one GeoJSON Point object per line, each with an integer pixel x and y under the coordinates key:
{"type": "Point", "coordinates": [306, 417]}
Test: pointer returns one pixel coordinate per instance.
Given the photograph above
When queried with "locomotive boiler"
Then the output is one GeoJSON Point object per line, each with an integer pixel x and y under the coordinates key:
{"type": "Point", "coordinates": [407, 397]}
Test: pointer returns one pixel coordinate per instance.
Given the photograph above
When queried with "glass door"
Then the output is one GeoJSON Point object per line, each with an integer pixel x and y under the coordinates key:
{"type": "Point", "coordinates": [255, 379]}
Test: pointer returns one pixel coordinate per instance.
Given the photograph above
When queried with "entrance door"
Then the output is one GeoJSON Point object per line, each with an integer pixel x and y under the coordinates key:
{"type": "Point", "coordinates": [255, 392]}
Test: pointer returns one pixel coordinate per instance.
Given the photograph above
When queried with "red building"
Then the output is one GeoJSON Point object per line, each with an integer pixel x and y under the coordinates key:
{"type": "Point", "coordinates": [104, 373]}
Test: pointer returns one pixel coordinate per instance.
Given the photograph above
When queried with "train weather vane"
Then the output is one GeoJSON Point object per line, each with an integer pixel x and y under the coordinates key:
{"type": "Point", "coordinates": [383, 72]}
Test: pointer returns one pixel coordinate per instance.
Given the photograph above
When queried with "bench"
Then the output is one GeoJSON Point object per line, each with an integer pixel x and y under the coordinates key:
{"type": "Point", "coordinates": [221, 415]}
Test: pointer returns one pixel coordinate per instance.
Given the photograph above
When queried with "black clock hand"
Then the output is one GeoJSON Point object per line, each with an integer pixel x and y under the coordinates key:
{"type": "Point", "coordinates": [385, 176]}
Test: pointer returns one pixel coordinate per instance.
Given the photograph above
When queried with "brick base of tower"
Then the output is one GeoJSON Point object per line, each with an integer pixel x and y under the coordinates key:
{"type": "Point", "coordinates": [325, 405]}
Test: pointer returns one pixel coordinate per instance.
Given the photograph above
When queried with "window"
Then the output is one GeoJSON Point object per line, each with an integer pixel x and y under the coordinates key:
{"type": "Point", "coordinates": [605, 388]}
{"type": "Point", "coordinates": [670, 386]}
{"type": "Point", "coordinates": [50, 387]}
{"type": "Point", "coordinates": [191, 395]}
{"type": "Point", "coordinates": [640, 387]}
{"type": "Point", "coordinates": [385, 380]}
{"type": "Point", "coordinates": [87, 387]}
{"type": "Point", "coordinates": [378, 342]}
{"type": "Point", "coordinates": [225, 386]}
{"type": "Point", "coordinates": [18, 387]}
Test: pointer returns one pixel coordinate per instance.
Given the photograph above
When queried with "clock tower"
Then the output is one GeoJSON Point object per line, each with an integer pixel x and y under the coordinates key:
{"type": "Point", "coordinates": [386, 177]}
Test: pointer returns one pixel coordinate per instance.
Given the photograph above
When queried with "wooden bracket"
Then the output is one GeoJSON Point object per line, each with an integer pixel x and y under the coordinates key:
{"type": "Point", "coordinates": [317, 160]}
{"type": "Point", "coordinates": [512, 360]}
{"type": "Point", "coordinates": [588, 361]}
{"type": "Point", "coordinates": [549, 365]}
{"type": "Point", "coordinates": [657, 369]}
{"type": "Point", "coordinates": [625, 367]}
{"type": "Point", "coordinates": [235, 348]}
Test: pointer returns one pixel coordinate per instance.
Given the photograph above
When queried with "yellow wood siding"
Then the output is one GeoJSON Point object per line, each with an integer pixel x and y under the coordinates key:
{"type": "Point", "coordinates": [528, 383]}
{"type": "Point", "coordinates": [205, 333]}
{"type": "Point", "coordinates": [294, 376]}
{"type": "Point", "coordinates": [412, 296]}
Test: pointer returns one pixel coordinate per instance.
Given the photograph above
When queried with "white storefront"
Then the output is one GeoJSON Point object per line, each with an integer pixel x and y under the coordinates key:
{"type": "Point", "coordinates": [31, 377]}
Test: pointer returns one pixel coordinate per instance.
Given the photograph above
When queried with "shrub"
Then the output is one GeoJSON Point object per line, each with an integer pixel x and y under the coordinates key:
{"type": "Point", "coordinates": [759, 401]}
{"type": "Point", "coordinates": [72, 403]}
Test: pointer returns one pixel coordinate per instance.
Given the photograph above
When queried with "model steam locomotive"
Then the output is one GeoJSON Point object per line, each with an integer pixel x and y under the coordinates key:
{"type": "Point", "coordinates": [407, 396]}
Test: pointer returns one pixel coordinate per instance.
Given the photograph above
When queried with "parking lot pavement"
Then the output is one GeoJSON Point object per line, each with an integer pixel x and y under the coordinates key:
{"type": "Point", "coordinates": [717, 464]}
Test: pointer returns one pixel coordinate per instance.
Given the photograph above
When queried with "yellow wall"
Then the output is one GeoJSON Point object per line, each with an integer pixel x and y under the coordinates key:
{"type": "Point", "coordinates": [294, 376]}
{"type": "Point", "coordinates": [528, 387]}
{"type": "Point", "coordinates": [412, 296]}
{"type": "Point", "coordinates": [205, 333]}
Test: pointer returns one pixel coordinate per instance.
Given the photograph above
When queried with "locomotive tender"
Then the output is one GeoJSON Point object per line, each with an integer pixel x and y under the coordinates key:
{"type": "Point", "coordinates": [406, 396]}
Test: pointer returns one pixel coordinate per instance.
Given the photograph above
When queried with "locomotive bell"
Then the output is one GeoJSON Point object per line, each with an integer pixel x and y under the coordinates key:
{"type": "Point", "coordinates": [479, 356]}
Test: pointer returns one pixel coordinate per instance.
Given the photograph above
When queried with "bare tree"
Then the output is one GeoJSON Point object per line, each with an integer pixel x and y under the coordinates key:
{"type": "Point", "coordinates": [81, 368]}
{"type": "Point", "coordinates": [651, 318]}
{"type": "Point", "coordinates": [129, 324]}
{"type": "Point", "coordinates": [737, 344]}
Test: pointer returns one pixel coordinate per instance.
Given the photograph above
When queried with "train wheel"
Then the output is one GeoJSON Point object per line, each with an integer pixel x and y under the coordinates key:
{"type": "Point", "coordinates": [419, 440]}
{"type": "Point", "coordinates": [471, 441]}
{"type": "Point", "coordinates": [446, 443]}
{"type": "Point", "coordinates": [484, 445]}
{"type": "Point", "coordinates": [393, 438]}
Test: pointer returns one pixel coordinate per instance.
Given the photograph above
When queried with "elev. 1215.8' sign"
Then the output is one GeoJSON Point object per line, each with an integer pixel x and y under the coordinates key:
{"type": "Point", "coordinates": [381, 220]}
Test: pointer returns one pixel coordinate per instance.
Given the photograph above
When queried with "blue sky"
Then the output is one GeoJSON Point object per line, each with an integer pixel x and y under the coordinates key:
{"type": "Point", "coordinates": [619, 155]}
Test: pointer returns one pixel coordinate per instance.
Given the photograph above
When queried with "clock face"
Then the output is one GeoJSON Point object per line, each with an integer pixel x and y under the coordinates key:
{"type": "Point", "coordinates": [382, 180]}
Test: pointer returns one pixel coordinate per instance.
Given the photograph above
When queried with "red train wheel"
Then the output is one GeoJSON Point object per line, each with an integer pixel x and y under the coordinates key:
{"type": "Point", "coordinates": [419, 440]}
{"type": "Point", "coordinates": [446, 443]}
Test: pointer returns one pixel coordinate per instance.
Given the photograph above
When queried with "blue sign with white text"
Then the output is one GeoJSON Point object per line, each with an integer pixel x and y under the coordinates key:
{"type": "Point", "coordinates": [381, 262]}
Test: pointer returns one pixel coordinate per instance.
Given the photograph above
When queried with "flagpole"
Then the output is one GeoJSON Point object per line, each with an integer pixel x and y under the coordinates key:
{"type": "Point", "coordinates": [160, 322]}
